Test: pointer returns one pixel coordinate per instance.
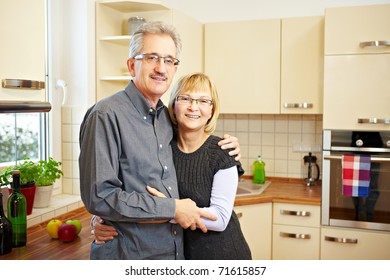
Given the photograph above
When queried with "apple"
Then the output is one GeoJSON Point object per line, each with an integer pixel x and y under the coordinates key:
{"type": "Point", "coordinates": [67, 232]}
{"type": "Point", "coordinates": [52, 228]}
{"type": "Point", "coordinates": [75, 222]}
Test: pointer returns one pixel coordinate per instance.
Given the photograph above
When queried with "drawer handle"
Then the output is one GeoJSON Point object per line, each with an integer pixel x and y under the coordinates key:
{"type": "Point", "coordinates": [374, 121]}
{"type": "Point", "coordinates": [23, 84]}
{"type": "Point", "coordinates": [295, 235]}
{"type": "Point", "coordinates": [298, 105]}
{"type": "Point", "coordinates": [376, 44]}
{"type": "Point", "coordinates": [342, 240]}
{"type": "Point", "coordinates": [239, 215]}
{"type": "Point", "coordinates": [295, 213]}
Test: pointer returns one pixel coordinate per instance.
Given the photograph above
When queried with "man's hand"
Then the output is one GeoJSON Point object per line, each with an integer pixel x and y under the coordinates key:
{"type": "Point", "coordinates": [188, 215]}
{"type": "Point", "coordinates": [231, 142]}
{"type": "Point", "coordinates": [101, 231]}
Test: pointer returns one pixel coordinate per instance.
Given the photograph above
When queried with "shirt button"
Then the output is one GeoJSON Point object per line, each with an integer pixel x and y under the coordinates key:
{"type": "Point", "coordinates": [160, 146]}
{"type": "Point", "coordinates": [144, 117]}
{"type": "Point", "coordinates": [174, 232]}
{"type": "Point", "coordinates": [150, 110]}
{"type": "Point", "coordinates": [165, 167]}
{"type": "Point", "coordinates": [170, 188]}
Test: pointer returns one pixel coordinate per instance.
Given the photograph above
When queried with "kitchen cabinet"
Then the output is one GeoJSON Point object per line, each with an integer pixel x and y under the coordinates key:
{"type": "Point", "coordinates": [357, 68]}
{"type": "Point", "coordinates": [112, 41]}
{"type": "Point", "coordinates": [302, 63]}
{"type": "Point", "coordinates": [353, 244]}
{"type": "Point", "coordinates": [296, 232]}
{"type": "Point", "coordinates": [256, 225]}
{"type": "Point", "coordinates": [23, 49]}
{"type": "Point", "coordinates": [243, 60]}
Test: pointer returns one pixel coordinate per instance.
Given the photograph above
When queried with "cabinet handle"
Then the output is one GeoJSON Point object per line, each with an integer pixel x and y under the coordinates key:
{"type": "Point", "coordinates": [239, 215]}
{"type": "Point", "coordinates": [341, 240]}
{"type": "Point", "coordinates": [298, 105]}
{"type": "Point", "coordinates": [295, 213]}
{"type": "Point", "coordinates": [374, 121]}
{"type": "Point", "coordinates": [295, 235]}
{"type": "Point", "coordinates": [22, 84]}
{"type": "Point", "coordinates": [374, 44]}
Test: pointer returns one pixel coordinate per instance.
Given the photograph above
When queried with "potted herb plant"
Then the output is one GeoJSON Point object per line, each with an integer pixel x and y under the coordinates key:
{"type": "Point", "coordinates": [29, 170]}
{"type": "Point", "coordinates": [48, 172]}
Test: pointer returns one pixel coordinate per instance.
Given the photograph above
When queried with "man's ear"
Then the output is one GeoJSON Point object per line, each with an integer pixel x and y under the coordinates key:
{"type": "Point", "coordinates": [130, 66]}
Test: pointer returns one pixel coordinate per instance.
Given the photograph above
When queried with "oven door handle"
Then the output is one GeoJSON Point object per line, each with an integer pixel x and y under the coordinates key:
{"type": "Point", "coordinates": [373, 159]}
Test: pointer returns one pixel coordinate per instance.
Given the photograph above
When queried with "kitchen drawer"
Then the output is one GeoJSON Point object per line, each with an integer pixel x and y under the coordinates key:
{"type": "Point", "coordinates": [296, 214]}
{"type": "Point", "coordinates": [352, 244]}
{"type": "Point", "coordinates": [295, 243]}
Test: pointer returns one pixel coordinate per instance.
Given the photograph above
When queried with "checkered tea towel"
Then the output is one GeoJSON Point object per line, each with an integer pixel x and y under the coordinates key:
{"type": "Point", "coordinates": [356, 175]}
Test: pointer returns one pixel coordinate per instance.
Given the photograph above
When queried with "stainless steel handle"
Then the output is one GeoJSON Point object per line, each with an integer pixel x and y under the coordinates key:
{"type": "Point", "coordinates": [374, 44]}
{"type": "Point", "coordinates": [373, 159]}
{"type": "Point", "coordinates": [23, 84]}
{"type": "Point", "coordinates": [295, 213]}
{"type": "Point", "coordinates": [374, 121]}
{"type": "Point", "coordinates": [298, 105]}
{"type": "Point", "coordinates": [341, 240]}
{"type": "Point", "coordinates": [24, 107]}
{"type": "Point", "coordinates": [239, 215]}
{"type": "Point", "coordinates": [295, 235]}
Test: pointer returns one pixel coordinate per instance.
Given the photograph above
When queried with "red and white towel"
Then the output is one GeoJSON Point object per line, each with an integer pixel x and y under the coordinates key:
{"type": "Point", "coordinates": [356, 175]}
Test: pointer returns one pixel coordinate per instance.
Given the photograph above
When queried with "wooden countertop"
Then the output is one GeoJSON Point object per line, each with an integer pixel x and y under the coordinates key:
{"type": "Point", "coordinates": [41, 247]}
{"type": "Point", "coordinates": [284, 190]}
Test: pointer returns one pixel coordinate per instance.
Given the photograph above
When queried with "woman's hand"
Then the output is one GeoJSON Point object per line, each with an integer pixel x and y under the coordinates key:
{"type": "Point", "coordinates": [101, 231]}
{"type": "Point", "coordinates": [231, 142]}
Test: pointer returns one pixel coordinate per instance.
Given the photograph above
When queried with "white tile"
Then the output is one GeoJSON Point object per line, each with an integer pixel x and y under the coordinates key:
{"type": "Point", "coordinates": [268, 125]}
{"type": "Point", "coordinates": [66, 133]}
{"type": "Point", "coordinates": [76, 186]}
{"type": "Point", "coordinates": [255, 125]}
{"type": "Point", "coordinates": [308, 126]}
{"type": "Point", "coordinates": [281, 152]}
{"type": "Point", "coordinates": [61, 211]}
{"type": "Point", "coordinates": [268, 139]}
{"type": "Point", "coordinates": [242, 125]}
{"type": "Point", "coordinates": [75, 168]}
{"type": "Point", "coordinates": [295, 126]}
{"type": "Point", "coordinates": [281, 139]}
{"type": "Point", "coordinates": [75, 133]}
{"type": "Point", "coordinates": [67, 168]}
{"type": "Point", "coordinates": [67, 151]}
{"type": "Point", "coordinates": [254, 138]}
{"type": "Point", "coordinates": [75, 151]}
{"type": "Point", "coordinates": [66, 115]}
{"type": "Point", "coordinates": [78, 114]}
{"type": "Point", "coordinates": [229, 125]}
{"type": "Point", "coordinates": [67, 185]}
{"type": "Point", "coordinates": [243, 138]}
{"type": "Point", "coordinates": [281, 126]}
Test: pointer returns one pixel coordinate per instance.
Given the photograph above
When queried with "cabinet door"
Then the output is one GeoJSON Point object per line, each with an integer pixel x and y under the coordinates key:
{"type": "Point", "coordinates": [295, 243]}
{"type": "Point", "coordinates": [23, 47]}
{"type": "Point", "coordinates": [243, 60]}
{"type": "Point", "coordinates": [347, 27]}
{"type": "Point", "coordinates": [302, 65]}
{"type": "Point", "coordinates": [348, 244]}
{"type": "Point", "coordinates": [356, 87]}
{"type": "Point", "coordinates": [256, 225]}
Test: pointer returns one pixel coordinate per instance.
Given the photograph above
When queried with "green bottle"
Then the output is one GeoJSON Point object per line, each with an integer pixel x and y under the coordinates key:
{"type": "Point", "coordinates": [258, 171]}
{"type": "Point", "coordinates": [17, 212]}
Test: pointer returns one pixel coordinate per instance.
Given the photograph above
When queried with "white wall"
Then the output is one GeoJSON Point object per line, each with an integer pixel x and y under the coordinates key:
{"type": "Point", "coordinates": [231, 10]}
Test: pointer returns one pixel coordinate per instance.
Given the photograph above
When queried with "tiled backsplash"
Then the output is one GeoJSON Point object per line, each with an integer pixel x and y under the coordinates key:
{"type": "Point", "coordinates": [71, 120]}
{"type": "Point", "coordinates": [277, 138]}
{"type": "Point", "coordinates": [281, 140]}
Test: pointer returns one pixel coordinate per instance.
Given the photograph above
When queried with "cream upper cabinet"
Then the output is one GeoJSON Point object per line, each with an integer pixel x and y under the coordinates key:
{"type": "Point", "coordinates": [243, 60]}
{"type": "Point", "coordinates": [302, 63]}
{"type": "Point", "coordinates": [360, 29]}
{"type": "Point", "coordinates": [356, 76]}
{"type": "Point", "coordinates": [256, 225]}
{"type": "Point", "coordinates": [296, 232]}
{"type": "Point", "coordinates": [112, 41]}
{"type": "Point", "coordinates": [352, 244]}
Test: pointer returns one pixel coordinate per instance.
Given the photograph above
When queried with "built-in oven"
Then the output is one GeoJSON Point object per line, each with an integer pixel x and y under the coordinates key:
{"type": "Point", "coordinates": [371, 208]}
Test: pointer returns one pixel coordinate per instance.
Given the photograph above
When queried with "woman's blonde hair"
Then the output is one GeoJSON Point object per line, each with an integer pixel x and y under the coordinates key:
{"type": "Point", "coordinates": [195, 82]}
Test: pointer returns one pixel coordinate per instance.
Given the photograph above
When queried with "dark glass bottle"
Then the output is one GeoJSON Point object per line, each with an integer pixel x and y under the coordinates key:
{"type": "Point", "coordinates": [17, 212]}
{"type": "Point", "coordinates": [5, 231]}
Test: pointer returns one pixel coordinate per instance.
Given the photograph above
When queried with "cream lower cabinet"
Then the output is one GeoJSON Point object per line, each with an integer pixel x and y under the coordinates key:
{"type": "Point", "coordinates": [296, 232]}
{"type": "Point", "coordinates": [353, 244]}
{"type": "Point", "coordinates": [256, 225]}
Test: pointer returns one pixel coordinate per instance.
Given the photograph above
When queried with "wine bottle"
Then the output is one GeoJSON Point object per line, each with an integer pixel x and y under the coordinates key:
{"type": "Point", "coordinates": [17, 212]}
{"type": "Point", "coordinates": [5, 231]}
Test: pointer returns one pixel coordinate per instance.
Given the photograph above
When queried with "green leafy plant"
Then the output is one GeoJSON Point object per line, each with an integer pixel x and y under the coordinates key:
{"type": "Point", "coordinates": [42, 173]}
{"type": "Point", "coordinates": [49, 172]}
{"type": "Point", "coordinates": [29, 171]}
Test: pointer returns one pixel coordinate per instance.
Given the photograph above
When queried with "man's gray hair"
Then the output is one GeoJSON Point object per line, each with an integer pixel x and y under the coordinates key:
{"type": "Point", "coordinates": [153, 27]}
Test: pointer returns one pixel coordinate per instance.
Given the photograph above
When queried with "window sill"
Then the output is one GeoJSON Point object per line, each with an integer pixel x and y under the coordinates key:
{"type": "Point", "coordinates": [60, 204]}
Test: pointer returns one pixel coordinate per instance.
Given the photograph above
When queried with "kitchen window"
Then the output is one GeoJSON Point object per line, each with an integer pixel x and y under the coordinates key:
{"type": "Point", "coordinates": [22, 135]}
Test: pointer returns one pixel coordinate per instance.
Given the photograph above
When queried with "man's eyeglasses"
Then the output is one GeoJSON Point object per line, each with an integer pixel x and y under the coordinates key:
{"type": "Point", "coordinates": [154, 59]}
{"type": "Point", "coordinates": [185, 99]}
